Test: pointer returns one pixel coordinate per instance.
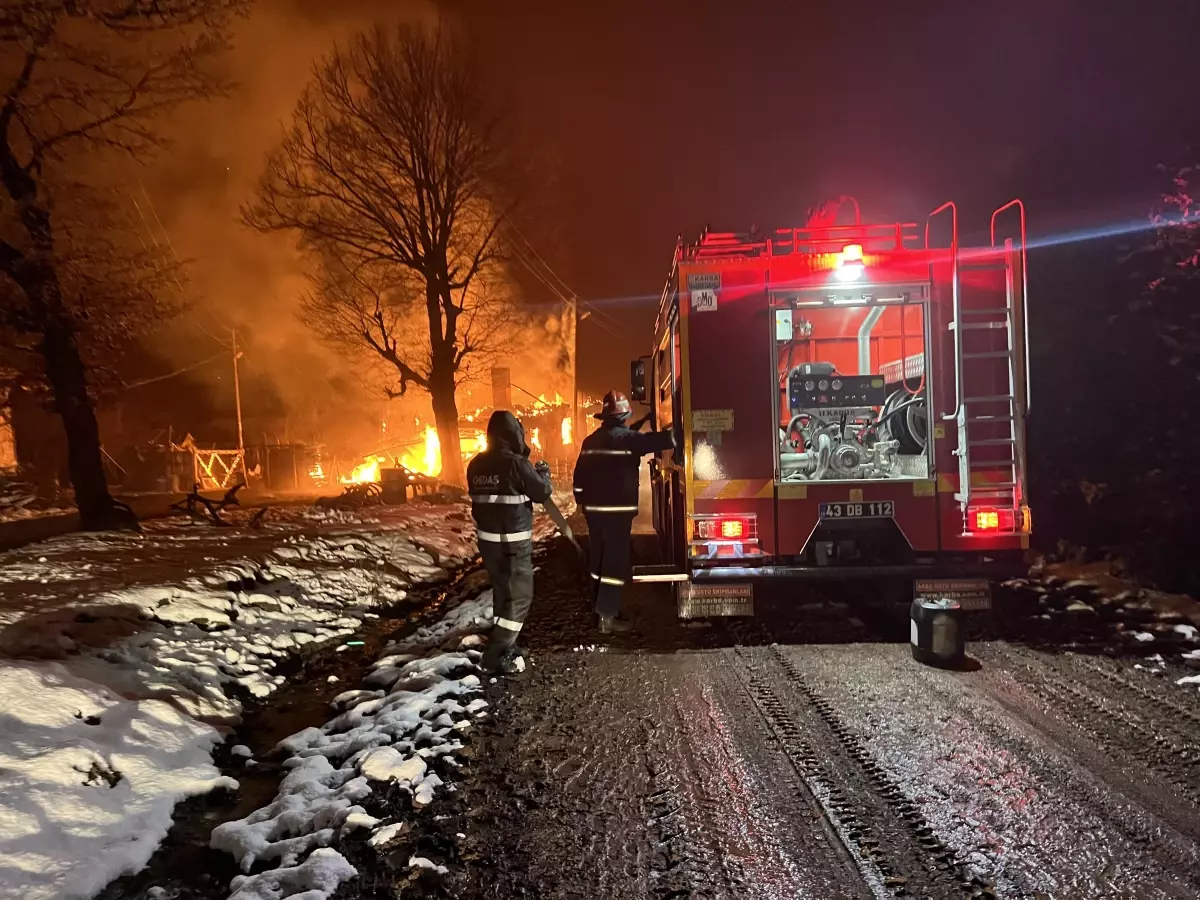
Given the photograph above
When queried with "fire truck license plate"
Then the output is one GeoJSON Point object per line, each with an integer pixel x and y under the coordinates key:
{"type": "Point", "coordinates": [879, 509]}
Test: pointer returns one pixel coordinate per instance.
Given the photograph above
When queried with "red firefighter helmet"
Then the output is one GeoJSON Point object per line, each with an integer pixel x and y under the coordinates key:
{"type": "Point", "coordinates": [616, 406]}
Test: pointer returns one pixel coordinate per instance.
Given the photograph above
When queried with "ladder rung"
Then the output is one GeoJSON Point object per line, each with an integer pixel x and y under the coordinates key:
{"type": "Point", "coordinates": [1006, 463]}
{"type": "Point", "coordinates": [990, 311]}
{"type": "Point", "coordinates": [990, 442]}
{"type": "Point", "coordinates": [984, 326]}
{"type": "Point", "coordinates": [995, 420]}
{"type": "Point", "coordinates": [989, 398]}
{"type": "Point", "coordinates": [990, 354]}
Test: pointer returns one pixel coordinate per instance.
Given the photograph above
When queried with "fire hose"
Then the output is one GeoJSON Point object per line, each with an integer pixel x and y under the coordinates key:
{"type": "Point", "coordinates": [559, 520]}
{"type": "Point", "coordinates": [555, 514]}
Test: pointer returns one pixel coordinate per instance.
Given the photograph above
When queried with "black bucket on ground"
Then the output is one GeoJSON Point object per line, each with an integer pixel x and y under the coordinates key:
{"type": "Point", "coordinates": [936, 632]}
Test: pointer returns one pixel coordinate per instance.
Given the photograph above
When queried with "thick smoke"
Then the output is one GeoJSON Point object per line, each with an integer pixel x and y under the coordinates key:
{"type": "Point", "coordinates": [237, 277]}
{"type": "Point", "coordinates": [294, 386]}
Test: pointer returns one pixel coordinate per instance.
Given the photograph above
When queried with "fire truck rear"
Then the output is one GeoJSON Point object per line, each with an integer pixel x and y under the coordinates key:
{"type": "Point", "coordinates": [850, 402]}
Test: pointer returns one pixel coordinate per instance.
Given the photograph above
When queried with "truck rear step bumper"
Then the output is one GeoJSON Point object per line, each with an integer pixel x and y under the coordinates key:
{"type": "Point", "coordinates": [996, 569]}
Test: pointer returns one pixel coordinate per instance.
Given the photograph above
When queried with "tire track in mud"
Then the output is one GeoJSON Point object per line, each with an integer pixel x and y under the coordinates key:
{"type": "Point", "coordinates": [745, 821]}
{"type": "Point", "coordinates": [1027, 801]}
{"type": "Point", "coordinates": [1167, 745]}
{"type": "Point", "coordinates": [621, 775]}
{"type": "Point", "coordinates": [885, 833]}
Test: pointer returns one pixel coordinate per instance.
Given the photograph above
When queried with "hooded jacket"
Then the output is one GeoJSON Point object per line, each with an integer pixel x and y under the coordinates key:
{"type": "Point", "coordinates": [504, 485]}
{"type": "Point", "coordinates": [606, 475]}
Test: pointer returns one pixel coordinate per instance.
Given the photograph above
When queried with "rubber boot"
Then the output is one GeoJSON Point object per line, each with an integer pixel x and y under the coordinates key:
{"type": "Point", "coordinates": [493, 657]}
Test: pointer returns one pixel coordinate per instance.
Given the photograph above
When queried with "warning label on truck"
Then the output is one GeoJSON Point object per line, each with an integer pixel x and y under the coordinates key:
{"type": "Point", "coordinates": [704, 287]}
{"type": "Point", "coordinates": [704, 300]}
{"type": "Point", "coordinates": [696, 601]}
{"type": "Point", "coordinates": [704, 281]}
{"type": "Point", "coordinates": [712, 420]}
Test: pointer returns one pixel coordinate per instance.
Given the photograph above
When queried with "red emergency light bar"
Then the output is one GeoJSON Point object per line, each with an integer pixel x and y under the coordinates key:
{"type": "Point", "coordinates": [850, 265]}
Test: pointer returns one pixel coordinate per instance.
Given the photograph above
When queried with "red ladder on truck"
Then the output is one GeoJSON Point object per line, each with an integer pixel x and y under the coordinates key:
{"type": "Point", "coordinates": [991, 383]}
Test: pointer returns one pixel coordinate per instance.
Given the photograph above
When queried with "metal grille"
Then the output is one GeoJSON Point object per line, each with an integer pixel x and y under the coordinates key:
{"type": "Point", "coordinates": [913, 466]}
{"type": "Point", "coordinates": [913, 367]}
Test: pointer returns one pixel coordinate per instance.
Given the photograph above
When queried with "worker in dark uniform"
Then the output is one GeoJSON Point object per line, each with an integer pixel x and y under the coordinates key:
{"type": "Point", "coordinates": [606, 489]}
{"type": "Point", "coordinates": [503, 486]}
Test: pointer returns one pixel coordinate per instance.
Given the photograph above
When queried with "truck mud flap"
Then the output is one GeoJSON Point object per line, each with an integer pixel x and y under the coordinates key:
{"type": "Point", "coordinates": [698, 601]}
{"type": "Point", "coordinates": [972, 594]}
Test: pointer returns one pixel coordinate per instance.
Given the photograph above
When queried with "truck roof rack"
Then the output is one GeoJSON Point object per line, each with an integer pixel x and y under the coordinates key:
{"type": "Point", "coordinates": [807, 240]}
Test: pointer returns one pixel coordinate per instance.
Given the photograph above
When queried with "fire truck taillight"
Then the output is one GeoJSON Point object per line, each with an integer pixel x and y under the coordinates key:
{"type": "Point", "coordinates": [732, 528]}
{"type": "Point", "coordinates": [717, 536]}
{"type": "Point", "coordinates": [722, 528]}
{"type": "Point", "coordinates": [850, 265]}
{"type": "Point", "coordinates": [984, 521]}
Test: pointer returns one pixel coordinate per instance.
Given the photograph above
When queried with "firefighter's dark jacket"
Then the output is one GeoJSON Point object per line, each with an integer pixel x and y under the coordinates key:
{"type": "Point", "coordinates": [606, 475]}
{"type": "Point", "coordinates": [502, 482]}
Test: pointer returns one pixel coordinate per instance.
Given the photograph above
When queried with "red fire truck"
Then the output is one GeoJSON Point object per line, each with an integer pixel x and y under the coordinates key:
{"type": "Point", "coordinates": [850, 401]}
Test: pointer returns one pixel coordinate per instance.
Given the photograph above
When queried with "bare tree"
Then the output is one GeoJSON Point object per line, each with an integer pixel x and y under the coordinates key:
{"type": "Point", "coordinates": [353, 309]}
{"type": "Point", "coordinates": [390, 168]}
{"type": "Point", "coordinates": [85, 76]}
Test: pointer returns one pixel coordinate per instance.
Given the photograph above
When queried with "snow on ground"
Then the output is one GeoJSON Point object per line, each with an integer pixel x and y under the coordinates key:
{"type": "Point", "coordinates": [20, 513]}
{"type": "Point", "coordinates": [423, 697]}
{"type": "Point", "coordinates": [1108, 582]}
{"type": "Point", "coordinates": [156, 640]}
{"type": "Point", "coordinates": [89, 779]}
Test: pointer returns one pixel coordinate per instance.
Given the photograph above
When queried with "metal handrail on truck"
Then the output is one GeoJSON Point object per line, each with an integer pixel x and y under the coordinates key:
{"type": "Point", "coordinates": [1020, 207]}
{"type": "Point", "coordinates": [958, 373]}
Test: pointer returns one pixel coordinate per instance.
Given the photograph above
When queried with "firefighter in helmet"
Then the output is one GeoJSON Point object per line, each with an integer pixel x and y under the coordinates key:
{"type": "Point", "coordinates": [503, 487]}
{"type": "Point", "coordinates": [606, 489]}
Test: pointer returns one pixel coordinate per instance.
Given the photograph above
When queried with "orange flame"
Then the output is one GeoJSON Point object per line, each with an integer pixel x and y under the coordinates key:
{"type": "Point", "coordinates": [535, 439]}
{"type": "Point", "coordinates": [427, 458]}
{"type": "Point", "coordinates": [365, 472]}
{"type": "Point", "coordinates": [566, 431]}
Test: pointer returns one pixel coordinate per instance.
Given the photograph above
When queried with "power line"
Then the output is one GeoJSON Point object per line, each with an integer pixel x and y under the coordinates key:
{"type": "Point", "coordinates": [562, 290]}
{"type": "Point", "coordinates": [145, 381]}
{"type": "Point", "coordinates": [540, 276]}
{"type": "Point", "coordinates": [517, 231]}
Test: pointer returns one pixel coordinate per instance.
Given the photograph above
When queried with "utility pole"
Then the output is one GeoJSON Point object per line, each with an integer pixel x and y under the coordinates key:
{"type": "Point", "coordinates": [577, 429]}
{"type": "Point", "coordinates": [576, 437]}
{"type": "Point", "coordinates": [237, 400]}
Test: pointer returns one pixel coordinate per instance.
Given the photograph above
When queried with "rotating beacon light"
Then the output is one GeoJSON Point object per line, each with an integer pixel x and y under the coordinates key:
{"type": "Point", "coordinates": [850, 265]}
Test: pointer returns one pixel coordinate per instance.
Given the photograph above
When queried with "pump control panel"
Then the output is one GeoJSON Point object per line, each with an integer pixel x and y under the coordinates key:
{"type": "Point", "coordinates": [812, 391]}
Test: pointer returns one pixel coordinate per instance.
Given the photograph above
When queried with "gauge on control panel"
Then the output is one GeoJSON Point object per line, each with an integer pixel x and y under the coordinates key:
{"type": "Point", "coordinates": [825, 390]}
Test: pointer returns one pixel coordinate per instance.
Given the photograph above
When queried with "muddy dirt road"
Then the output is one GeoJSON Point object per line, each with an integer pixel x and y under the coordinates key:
{"type": "Point", "coordinates": [821, 762]}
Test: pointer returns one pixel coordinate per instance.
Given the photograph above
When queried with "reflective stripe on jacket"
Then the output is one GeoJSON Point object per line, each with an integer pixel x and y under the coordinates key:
{"type": "Point", "coordinates": [606, 475]}
{"type": "Point", "coordinates": [504, 485]}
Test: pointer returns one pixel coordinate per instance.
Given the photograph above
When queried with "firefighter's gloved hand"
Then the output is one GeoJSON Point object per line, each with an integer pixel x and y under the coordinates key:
{"type": "Point", "coordinates": [543, 468]}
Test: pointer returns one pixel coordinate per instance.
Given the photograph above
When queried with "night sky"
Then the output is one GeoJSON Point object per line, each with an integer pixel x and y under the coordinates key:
{"type": "Point", "coordinates": [662, 117]}
{"type": "Point", "coordinates": [635, 122]}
